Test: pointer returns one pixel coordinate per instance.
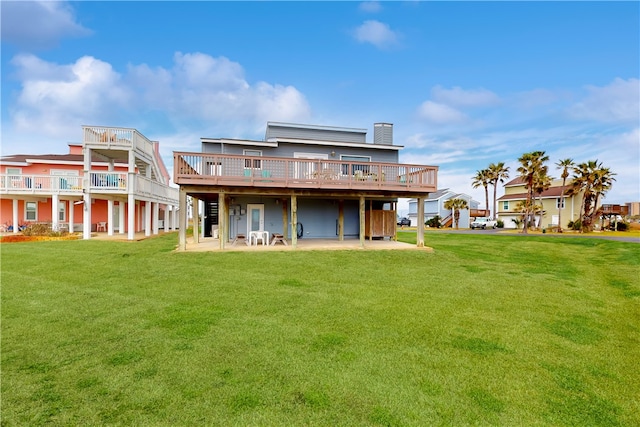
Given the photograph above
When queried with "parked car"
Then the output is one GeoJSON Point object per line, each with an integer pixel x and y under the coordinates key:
{"type": "Point", "coordinates": [483, 223]}
{"type": "Point", "coordinates": [404, 221]}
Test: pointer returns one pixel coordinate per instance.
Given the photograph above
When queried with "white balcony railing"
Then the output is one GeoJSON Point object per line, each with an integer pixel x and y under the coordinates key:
{"type": "Point", "coordinates": [98, 182]}
{"type": "Point", "coordinates": [124, 138]}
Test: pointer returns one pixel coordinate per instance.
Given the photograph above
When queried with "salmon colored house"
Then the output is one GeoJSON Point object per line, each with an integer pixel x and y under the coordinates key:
{"type": "Point", "coordinates": [113, 182]}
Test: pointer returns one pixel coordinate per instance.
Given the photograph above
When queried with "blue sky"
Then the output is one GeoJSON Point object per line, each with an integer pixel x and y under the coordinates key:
{"type": "Point", "coordinates": [465, 84]}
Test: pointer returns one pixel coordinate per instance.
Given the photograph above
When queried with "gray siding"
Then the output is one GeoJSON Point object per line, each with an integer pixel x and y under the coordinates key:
{"type": "Point", "coordinates": [318, 134]}
{"type": "Point", "coordinates": [287, 150]}
{"type": "Point", "coordinates": [319, 217]}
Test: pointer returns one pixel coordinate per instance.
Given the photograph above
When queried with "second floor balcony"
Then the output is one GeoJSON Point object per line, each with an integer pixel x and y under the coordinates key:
{"type": "Point", "coordinates": [292, 173]}
{"type": "Point", "coordinates": [98, 182]}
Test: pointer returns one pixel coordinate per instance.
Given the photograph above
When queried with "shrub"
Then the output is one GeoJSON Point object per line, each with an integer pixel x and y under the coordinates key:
{"type": "Point", "coordinates": [500, 223]}
{"type": "Point", "coordinates": [575, 225]}
{"type": "Point", "coordinates": [434, 222]}
{"type": "Point", "coordinates": [37, 230]}
{"type": "Point", "coordinates": [619, 226]}
{"type": "Point", "coordinates": [517, 222]}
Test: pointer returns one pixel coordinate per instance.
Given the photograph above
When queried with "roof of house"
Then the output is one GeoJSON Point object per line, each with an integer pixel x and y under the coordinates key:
{"type": "Point", "coordinates": [49, 158]}
{"type": "Point", "coordinates": [550, 192]}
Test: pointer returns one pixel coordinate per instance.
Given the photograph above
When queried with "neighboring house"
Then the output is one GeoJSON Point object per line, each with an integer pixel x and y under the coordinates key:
{"type": "Point", "coordinates": [434, 205]}
{"type": "Point", "coordinates": [515, 191]}
{"type": "Point", "coordinates": [115, 181]}
{"type": "Point", "coordinates": [301, 181]}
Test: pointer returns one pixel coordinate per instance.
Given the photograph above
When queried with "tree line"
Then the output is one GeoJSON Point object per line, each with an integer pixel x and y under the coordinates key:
{"type": "Point", "coordinates": [590, 178]}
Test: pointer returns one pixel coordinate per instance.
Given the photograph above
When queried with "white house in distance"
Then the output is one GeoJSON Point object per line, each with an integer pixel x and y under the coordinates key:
{"type": "Point", "coordinates": [434, 205]}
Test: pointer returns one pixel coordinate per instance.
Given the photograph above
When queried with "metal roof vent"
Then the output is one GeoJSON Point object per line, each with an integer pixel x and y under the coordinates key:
{"type": "Point", "coordinates": [383, 133]}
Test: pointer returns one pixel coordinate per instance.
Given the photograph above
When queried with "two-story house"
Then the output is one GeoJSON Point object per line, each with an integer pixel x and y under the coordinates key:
{"type": "Point", "coordinates": [515, 193]}
{"type": "Point", "coordinates": [114, 182]}
{"type": "Point", "coordinates": [301, 181]}
{"type": "Point", "coordinates": [434, 205]}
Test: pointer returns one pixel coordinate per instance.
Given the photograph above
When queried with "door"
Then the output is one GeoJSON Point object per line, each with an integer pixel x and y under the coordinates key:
{"type": "Point", "coordinates": [255, 218]}
{"type": "Point", "coordinates": [306, 169]}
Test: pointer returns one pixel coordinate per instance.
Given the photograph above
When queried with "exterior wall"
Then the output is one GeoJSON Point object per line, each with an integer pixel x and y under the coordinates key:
{"type": "Point", "coordinates": [289, 149]}
{"type": "Point", "coordinates": [319, 217]}
{"type": "Point", "coordinates": [570, 212]}
{"type": "Point", "coordinates": [317, 133]}
{"type": "Point", "coordinates": [433, 207]}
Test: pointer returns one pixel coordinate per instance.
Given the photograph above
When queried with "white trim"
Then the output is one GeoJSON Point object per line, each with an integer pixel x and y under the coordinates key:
{"type": "Point", "coordinates": [25, 210]}
{"type": "Point", "coordinates": [239, 142]}
{"type": "Point", "coordinates": [339, 144]}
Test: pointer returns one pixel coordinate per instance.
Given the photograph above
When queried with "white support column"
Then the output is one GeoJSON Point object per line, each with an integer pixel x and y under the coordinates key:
{"type": "Point", "coordinates": [147, 218]}
{"type": "Point", "coordinates": [109, 217]}
{"type": "Point", "coordinates": [15, 215]}
{"type": "Point", "coordinates": [131, 217]}
{"type": "Point", "coordinates": [55, 208]}
{"type": "Point", "coordinates": [155, 207]}
{"type": "Point", "coordinates": [86, 197]}
{"type": "Point", "coordinates": [71, 214]}
{"type": "Point", "coordinates": [182, 220]}
{"type": "Point", "coordinates": [166, 218]}
{"type": "Point", "coordinates": [121, 207]}
{"type": "Point", "coordinates": [86, 216]}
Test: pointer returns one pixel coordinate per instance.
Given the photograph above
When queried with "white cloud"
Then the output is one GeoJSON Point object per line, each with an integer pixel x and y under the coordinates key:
{"type": "Point", "coordinates": [370, 6]}
{"type": "Point", "coordinates": [377, 33]}
{"type": "Point", "coordinates": [459, 97]}
{"type": "Point", "coordinates": [196, 91]}
{"type": "Point", "coordinates": [38, 24]}
{"type": "Point", "coordinates": [617, 102]}
{"type": "Point", "coordinates": [435, 112]}
{"type": "Point", "coordinates": [54, 97]}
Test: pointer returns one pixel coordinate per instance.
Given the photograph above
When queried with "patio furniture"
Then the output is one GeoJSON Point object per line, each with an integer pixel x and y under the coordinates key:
{"type": "Point", "coordinates": [242, 237]}
{"type": "Point", "coordinates": [256, 235]}
{"type": "Point", "coordinates": [102, 226]}
{"type": "Point", "coordinates": [278, 238]}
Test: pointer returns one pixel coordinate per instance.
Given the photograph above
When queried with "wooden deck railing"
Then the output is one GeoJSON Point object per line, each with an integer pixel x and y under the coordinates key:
{"type": "Point", "coordinates": [253, 171]}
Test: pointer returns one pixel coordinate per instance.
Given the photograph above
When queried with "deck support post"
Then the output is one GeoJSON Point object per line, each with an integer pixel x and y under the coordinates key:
{"type": "Point", "coordinates": [294, 221]}
{"type": "Point", "coordinates": [361, 210]}
{"type": "Point", "coordinates": [223, 227]}
{"type": "Point", "coordinates": [340, 220]}
{"type": "Point", "coordinates": [285, 219]}
{"type": "Point", "coordinates": [182, 219]}
{"type": "Point", "coordinates": [420, 225]}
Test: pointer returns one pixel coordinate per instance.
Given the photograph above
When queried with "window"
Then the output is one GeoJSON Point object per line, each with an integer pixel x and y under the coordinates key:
{"type": "Point", "coordinates": [14, 175]}
{"type": "Point", "coordinates": [354, 168]}
{"type": "Point", "coordinates": [252, 163]}
{"type": "Point", "coordinates": [62, 211]}
{"type": "Point", "coordinates": [31, 211]}
{"type": "Point", "coordinates": [560, 202]}
{"type": "Point", "coordinates": [505, 206]}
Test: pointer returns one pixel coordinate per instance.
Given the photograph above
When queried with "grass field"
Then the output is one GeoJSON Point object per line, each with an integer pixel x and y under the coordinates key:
{"type": "Point", "coordinates": [486, 330]}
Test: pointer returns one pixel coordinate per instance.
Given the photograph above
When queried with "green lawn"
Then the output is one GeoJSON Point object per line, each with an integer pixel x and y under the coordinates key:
{"type": "Point", "coordinates": [487, 330]}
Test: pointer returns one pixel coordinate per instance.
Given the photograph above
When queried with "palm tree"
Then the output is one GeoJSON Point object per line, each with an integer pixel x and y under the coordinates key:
{"type": "Point", "coordinates": [594, 181]}
{"type": "Point", "coordinates": [456, 205]}
{"type": "Point", "coordinates": [542, 182]}
{"type": "Point", "coordinates": [565, 165]}
{"type": "Point", "coordinates": [531, 166]}
{"type": "Point", "coordinates": [482, 178]}
{"type": "Point", "coordinates": [497, 173]}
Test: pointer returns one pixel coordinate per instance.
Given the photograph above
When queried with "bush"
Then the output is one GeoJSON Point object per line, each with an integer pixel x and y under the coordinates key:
{"type": "Point", "coordinates": [575, 225]}
{"type": "Point", "coordinates": [517, 222]}
{"type": "Point", "coordinates": [434, 222]}
{"type": "Point", "coordinates": [500, 223]}
{"type": "Point", "coordinates": [37, 230]}
{"type": "Point", "coordinates": [620, 226]}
